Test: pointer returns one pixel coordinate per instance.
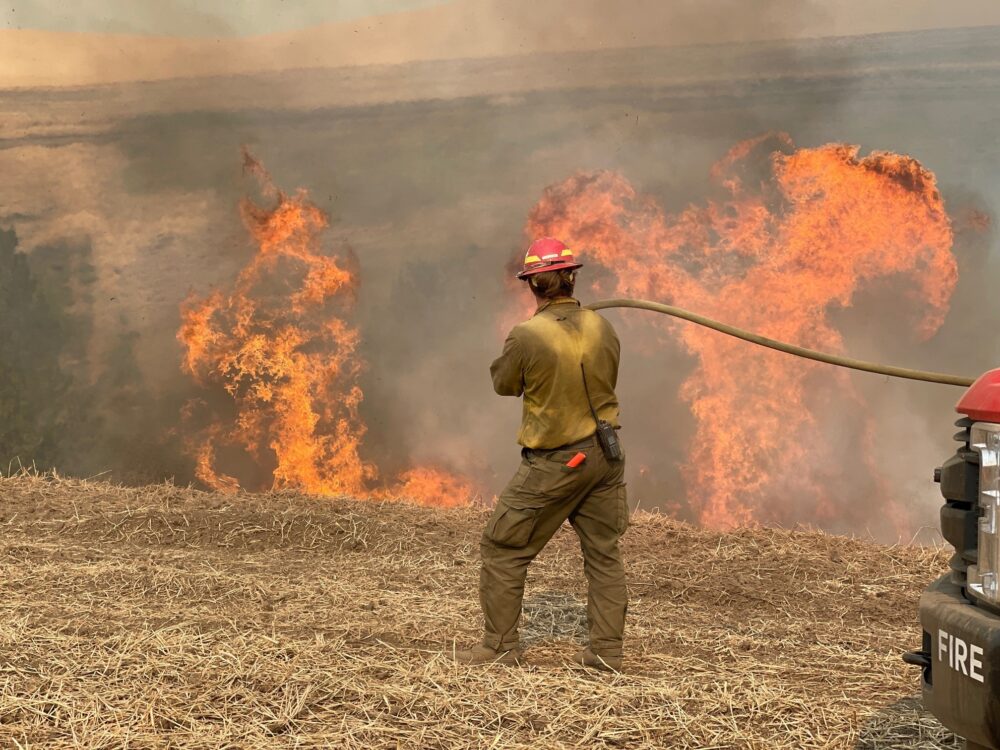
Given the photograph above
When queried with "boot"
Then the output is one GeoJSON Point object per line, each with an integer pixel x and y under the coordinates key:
{"type": "Point", "coordinates": [479, 655]}
{"type": "Point", "coordinates": [604, 663]}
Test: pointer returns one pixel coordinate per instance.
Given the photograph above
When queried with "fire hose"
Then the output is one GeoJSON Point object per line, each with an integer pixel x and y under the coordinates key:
{"type": "Point", "coordinates": [781, 346]}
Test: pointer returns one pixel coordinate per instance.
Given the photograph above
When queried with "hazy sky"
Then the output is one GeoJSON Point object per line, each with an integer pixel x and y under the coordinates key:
{"type": "Point", "coordinates": [251, 17]}
{"type": "Point", "coordinates": [191, 17]}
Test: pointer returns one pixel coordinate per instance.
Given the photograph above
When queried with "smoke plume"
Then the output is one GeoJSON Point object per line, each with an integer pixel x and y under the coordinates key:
{"type": "Point", "coordinates": [125, 202]}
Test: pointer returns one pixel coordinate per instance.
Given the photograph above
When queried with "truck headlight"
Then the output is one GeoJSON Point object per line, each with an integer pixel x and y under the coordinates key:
{"type": "Point", "coordinates": [983, 578]}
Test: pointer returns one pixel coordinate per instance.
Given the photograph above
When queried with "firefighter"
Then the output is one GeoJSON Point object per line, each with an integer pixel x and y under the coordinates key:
{"type": "Point", "coordinates": [563, 362]}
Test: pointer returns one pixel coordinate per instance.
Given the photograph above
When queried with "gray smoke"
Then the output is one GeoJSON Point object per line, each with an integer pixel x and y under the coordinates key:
{"type": "Point", "coordinates": [428, 171]}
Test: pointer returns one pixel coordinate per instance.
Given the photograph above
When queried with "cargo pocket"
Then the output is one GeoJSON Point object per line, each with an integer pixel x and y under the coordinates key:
{"type": "Point", "coordinates": [622, 500]}
{"type": "Point", "coordinates": [512, 526]}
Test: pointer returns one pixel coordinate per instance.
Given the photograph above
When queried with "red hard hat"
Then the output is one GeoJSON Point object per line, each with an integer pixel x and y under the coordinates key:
{"type": "Point", "coordinates": [547, 254]}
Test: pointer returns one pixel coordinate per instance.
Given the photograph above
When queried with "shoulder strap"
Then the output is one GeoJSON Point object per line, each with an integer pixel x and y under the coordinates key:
{"type": "Point", "coordinates": [586, 390]}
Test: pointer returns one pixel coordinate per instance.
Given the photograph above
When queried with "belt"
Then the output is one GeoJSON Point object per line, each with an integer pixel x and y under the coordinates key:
{"type": "Point", "coordinates": [587, 442]}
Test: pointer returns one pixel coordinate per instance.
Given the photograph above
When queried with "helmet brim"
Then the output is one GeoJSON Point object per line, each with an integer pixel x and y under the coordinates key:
{"type": "Point", "coordinates": [557, 266]}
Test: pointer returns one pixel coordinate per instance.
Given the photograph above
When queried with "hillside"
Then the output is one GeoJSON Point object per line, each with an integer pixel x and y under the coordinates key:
{"type": "Point", "coordinates": [156, 615]}
{"type": "Point", "coordinates": [454, 30]}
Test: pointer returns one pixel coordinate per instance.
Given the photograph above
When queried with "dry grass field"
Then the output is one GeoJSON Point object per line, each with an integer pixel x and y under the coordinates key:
{"type": "Point", "coordinates": [167, 617]}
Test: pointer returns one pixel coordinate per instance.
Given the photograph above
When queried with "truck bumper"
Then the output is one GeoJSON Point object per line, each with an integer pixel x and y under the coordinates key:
{"type": "Point", "coordinates": [961, 678]}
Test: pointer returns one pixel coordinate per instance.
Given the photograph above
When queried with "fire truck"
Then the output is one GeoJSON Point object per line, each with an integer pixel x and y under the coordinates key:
{"type": "Point", "coordinates": [960, 612]}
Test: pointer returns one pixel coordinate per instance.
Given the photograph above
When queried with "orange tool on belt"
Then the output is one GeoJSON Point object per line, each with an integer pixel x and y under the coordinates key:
{"type": "Point", "coordinates": [578, 459]}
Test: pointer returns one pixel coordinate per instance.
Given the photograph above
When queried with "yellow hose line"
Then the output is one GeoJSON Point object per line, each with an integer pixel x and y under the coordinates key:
{"type": "Point", "coordinates": [798, 351]}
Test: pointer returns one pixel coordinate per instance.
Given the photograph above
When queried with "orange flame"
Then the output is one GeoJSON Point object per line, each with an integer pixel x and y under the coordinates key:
{"type": "Point", "coordinates": [430, 486]}
{"type": "Point", "coordinates": [787, 236]}
{"type": "Point", "coordinates": [279, 347]}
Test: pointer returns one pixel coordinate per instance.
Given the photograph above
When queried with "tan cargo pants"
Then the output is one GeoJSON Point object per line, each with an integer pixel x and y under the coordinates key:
{"type": "Point", "coordinates": [543, 493]}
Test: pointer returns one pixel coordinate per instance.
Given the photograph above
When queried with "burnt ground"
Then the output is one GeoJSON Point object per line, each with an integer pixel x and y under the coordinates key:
{"type": "Point", "coordinates": [162, 616]}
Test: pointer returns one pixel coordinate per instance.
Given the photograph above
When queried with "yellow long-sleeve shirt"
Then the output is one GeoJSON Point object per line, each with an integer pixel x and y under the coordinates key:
{"type": "Point", "coordinates": [541, 361]}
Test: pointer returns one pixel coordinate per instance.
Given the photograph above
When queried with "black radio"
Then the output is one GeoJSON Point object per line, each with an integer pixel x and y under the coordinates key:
{"type": "Point", "coordinates": [606, 435]}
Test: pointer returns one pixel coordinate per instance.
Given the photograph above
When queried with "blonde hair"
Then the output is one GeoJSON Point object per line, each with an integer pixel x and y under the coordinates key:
{"type": "Point", "coordinates": [553, 284]}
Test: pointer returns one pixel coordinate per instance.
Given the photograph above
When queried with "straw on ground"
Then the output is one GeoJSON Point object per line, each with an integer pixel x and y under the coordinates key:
{"type": "Point", "coordinates": [161, 616]}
